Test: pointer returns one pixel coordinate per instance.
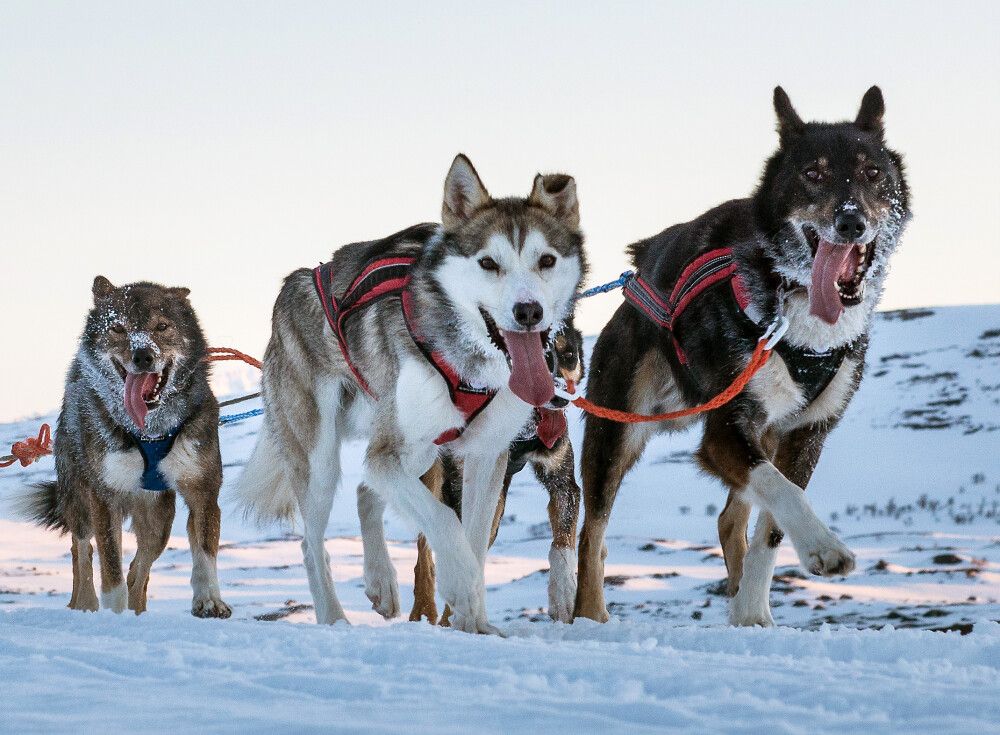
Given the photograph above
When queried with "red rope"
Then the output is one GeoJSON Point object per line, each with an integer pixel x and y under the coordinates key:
{"type": "Point", "coordinates": [30, 450]}
{"type": "Point", "coordinates": [757, 360]}
{"type": "Point", "coordinates": [221, 354]}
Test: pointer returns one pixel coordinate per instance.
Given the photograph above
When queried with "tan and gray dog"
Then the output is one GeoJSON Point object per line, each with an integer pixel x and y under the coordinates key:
{"type": "Point", "coordinates": [138, 424]}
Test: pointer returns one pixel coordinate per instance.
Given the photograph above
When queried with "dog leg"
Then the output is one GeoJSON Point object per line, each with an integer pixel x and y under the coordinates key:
{"type": "Point", "coordinates": [151, 521]}
{"type": "Point", "coordinates": [460, 578]}
{"type": "Point", "coordinates": [84, 595]}
{"type": "Point", "coordinates": [424, 603]}
{"type": "Point", "coordinates": [732, 524]}
{"type": "Point", "coordinates": [203, 529]}
{"type": "Point", "coordinates": [381, 585]}
{"type": "Point", "coordinates": [482, 480]}
{"type": "Point", "coordinates": [609, 452]}
{"type": "Point", "coordinates": [819, 550]}
{"type": "Point", "coordinates": [557, 475]}
{"type": "Point", "coordinates": [108, 533]}
{"type": "Point", "coordinates": [751, 604]}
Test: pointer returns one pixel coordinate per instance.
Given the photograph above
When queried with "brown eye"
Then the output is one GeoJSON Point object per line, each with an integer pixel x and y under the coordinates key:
{"type": "Point", "coordinates": [118, 329]}
{"type": "Point", "coordinates": [162, 327]}
{"type": "Point", "coordinates": [813, 174]}
{"type": "Point", "coordinates": [873, 172]}
{"type": "Point", "coordinates": [547, 261]}
{"type": "Point", "coordinates": [488, 264]}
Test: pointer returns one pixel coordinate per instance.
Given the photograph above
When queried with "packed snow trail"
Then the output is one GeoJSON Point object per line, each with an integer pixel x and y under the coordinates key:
{"type": "Point", "coordinates": [81, 673]}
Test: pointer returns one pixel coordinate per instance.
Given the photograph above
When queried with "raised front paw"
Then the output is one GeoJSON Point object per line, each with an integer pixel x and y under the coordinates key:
{"type": "Point", "coordinates": [210, 606]}
{"type": "Point", "coordinates": [828, 557]}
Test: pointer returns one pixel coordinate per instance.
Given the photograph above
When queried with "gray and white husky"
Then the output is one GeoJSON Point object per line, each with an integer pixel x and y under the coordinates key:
{"type": "Point", "coordinates": [481, 291]}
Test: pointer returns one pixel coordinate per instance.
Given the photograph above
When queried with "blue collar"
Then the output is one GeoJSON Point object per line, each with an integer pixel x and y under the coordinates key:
{"type": "Point", "coordinates": [153, 452]}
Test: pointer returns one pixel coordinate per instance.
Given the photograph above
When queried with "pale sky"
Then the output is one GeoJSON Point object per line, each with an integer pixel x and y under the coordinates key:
{"type": "Point", "coordinates": [220, 145]}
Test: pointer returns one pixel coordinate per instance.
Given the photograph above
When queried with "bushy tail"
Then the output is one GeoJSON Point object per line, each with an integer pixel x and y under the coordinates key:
{"type": "Point", "coordinates": [263, 490]}
{"type": "Point", "coordinates": [40, 504]}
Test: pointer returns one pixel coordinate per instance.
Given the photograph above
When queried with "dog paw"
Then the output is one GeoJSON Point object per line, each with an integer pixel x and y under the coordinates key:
{"type": "Point", "coordinates": [210, 607]}
{"type": "Point", "coordinates": [746, 612]}
{"type": "Point", "coordinates": [562, 584]}
{"type": "Point", "coordinates": [828, 557]}
{"type": "Point", "coordinates": [382, 590]}
{"type": "Point", "coordinates": [474, 624]}
{"type": "Point", "coordinates": [115, 599]}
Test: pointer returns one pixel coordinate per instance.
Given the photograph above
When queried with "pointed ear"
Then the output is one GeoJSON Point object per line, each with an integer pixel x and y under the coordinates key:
{"type": "Point", "coordinates": [556, 193]}
{"type": "Point", "coordinates": [872, 109]}
{"type": "Point", "coordinates": [180, 292]}
{"type": "Point", "coordinates": [790, 125]}
{"type": "Point", "coordinates": [464, 193]}
{"type": "Point", "coordinates": [102, 288]}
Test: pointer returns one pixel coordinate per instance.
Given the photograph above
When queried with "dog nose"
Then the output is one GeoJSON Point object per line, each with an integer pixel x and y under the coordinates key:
{"type": "Point", "coordinates": [143, 359]}
{"type": "Point", "coordinates": [528, 313]}
{"type": "Point", "coordinates": [850, 225]}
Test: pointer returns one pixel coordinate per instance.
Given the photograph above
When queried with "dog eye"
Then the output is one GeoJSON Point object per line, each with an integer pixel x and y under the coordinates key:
{"type": "Point", "coordinates": [813, 174]}
{"type": "Point", "coordinates": [547, 261]}
{"type": "Point", "coordinates": [488, 264]}
{"type": "Point", "coordinates": [873, 172]}
{"type": "Point", "coordinates": [162, 327]}
{"type": "Point", "coordinates": [117, 328]}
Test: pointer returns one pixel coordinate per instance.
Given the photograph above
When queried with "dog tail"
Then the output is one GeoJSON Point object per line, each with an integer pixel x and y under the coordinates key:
{"type": "Point", "coordinates": [263, 491]}
{"type": "Point", "coordinates": [40, 504]}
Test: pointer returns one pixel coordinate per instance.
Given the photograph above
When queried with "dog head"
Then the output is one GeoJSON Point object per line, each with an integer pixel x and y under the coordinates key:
{"type": "Point", "coordinates": [511, 267]}
{"type": "Point", "coordinates": [567, 347]}
{"type": "Point", "coordinates": [144, 339]}
{"type": "Point", "coordinates": [835, 199]}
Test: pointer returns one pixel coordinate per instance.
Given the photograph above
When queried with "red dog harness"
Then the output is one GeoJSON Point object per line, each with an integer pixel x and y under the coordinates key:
{"type": "Point", "coordinates": [812, 371]}
{"type": "Point", "coordinates": [703, 272]}
{"type": "Point", "coordinates": [380, 279]}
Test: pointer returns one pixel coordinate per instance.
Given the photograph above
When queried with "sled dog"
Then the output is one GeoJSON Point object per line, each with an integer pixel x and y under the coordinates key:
{"type": "Point", "coordinates": [431, 337]}
{"type": "Point", "coordinates": [545, 444]}
{"type": "Point", "coordinates": [812, 244]}
{"type": "Point", "coordinates": [138, 425]}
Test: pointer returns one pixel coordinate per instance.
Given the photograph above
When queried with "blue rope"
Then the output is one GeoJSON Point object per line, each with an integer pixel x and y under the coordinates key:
{"type": "Point", "coordinates": [234, 417]}
{"type": "Point", "coordinates": [617, 283]}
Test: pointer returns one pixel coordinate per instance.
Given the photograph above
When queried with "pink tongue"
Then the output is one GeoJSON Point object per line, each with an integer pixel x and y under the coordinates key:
{"type": "Point", "coordinates": [828, 265]}
{"type": "Point", "coordinates": [137, 385]}
{"type": "Point", "coordinates": [530, 379]}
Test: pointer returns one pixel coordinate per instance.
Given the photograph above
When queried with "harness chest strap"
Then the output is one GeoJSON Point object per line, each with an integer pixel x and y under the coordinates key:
{"type": "Point", "coordinates": [812, 371]}
{"type": "Point", "coordinates": [382, 278]}
{"type": "Point", "coordinates": [153, 452]}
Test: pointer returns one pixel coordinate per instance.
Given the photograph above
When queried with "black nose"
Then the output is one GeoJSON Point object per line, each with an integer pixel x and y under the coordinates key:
{"type": "Point", "coordinates": [850, 225]}
{"type": "Point", "coordinates": [143, 359]}
{"type": "Point", "coordinates": [528, 313]}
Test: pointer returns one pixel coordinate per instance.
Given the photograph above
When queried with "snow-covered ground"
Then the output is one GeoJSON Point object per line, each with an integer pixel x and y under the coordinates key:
{"type": "Point", "coordinates": [909, 642]}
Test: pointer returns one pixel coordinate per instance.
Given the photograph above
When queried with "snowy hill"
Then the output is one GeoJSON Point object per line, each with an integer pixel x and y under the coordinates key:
{"type": "Point", "coordinates": [910, 480]}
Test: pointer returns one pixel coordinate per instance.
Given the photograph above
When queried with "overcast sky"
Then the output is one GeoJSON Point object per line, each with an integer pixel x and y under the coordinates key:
{"type": "Point", "coordinates": [219, 146]}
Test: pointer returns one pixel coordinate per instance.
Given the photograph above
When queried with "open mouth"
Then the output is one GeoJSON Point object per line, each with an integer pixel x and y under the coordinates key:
{"type": "Point", "coordinates": [530, 376]}
{"type": "Point", "coordinates": [142, 391]}
{"type": "Point", "coordinates": [838, 274]}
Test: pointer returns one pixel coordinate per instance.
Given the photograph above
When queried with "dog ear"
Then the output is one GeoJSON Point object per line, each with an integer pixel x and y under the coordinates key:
{"type": "Point", "coordinates": [102, 288]}
{"type": "Point", "coordinates": [464, 193]}
{"type": "Point", "coordinates": [872, 109]}
{"type": "Point", "coordinates": [790, 125]}
{"type": "Point", "coordinates": [556, 194]}
{"type": "Point", "coordinates": [180, 292]}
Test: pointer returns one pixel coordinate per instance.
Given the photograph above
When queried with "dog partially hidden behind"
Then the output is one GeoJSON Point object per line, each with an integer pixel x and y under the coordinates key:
{"type": "Point", "coordinates": [138, 424]}
{"type": "Point", "coordinates": [433, 336]}
{"type": "Point", "coordinates": [544, 444]}
{"type": "Point", "coordinates": [812, 244]}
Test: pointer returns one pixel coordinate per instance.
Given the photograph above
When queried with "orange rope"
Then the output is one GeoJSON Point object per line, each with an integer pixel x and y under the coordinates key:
{"type": "Point", "coordinates": [757, 360]}
{"type": "Point", "coordinates": [30, 450]}
{"type": "Point", "coordinates": [220, 354]}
